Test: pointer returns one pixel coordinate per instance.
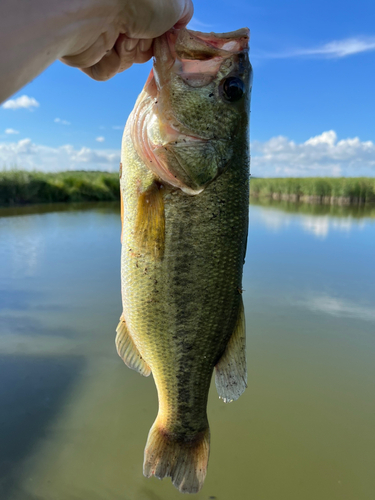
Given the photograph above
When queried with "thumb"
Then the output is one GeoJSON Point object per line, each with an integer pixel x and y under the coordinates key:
{"type": "Point", "coordinates": [152, 18]}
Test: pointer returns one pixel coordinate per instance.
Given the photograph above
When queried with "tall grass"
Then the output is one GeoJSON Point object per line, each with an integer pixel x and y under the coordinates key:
{"type": "Point", "coordinates": [20, 187]}
{"type": "Point", "coordinates": [352, 190]}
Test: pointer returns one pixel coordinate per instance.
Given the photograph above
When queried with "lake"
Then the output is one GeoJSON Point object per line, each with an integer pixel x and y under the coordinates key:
{"type": "Point", "coordinates": [74, 419]}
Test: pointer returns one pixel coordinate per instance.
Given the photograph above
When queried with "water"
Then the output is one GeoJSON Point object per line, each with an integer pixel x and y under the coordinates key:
{"type": "Point", "coordinates": [74, 419]}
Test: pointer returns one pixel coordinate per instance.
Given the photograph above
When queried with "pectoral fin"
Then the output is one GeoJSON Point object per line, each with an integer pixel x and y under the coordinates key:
{"type": "Point", "coordinates": [150, 221]}
{"type": "Point", "coordinates": [128, 352]}
{"type": "Point", "coordinates": [230, 371]}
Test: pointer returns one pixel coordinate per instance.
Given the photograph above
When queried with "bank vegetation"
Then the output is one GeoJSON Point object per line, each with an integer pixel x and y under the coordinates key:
{"type": "Point", "coordinates": [20, 187]}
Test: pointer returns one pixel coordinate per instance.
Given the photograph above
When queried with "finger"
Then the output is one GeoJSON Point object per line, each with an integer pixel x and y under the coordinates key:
{"type": "Point", "coordinates": [107, 67]}
{"type": "Point", "coordinates": [133, 51]}
{"type": "Point", "coordinates": [144, 51]}
{"type": "Point", "coordinates": [126, 49]}
{"type": "Point", "coordinates": [145, 44]}
{"type": "Point", "coordinates": [152, 18]}
{"type": "Point", "coordinates": [120, 58]}
{"type": "Point", "coordinates": [186, 15]}
{"type": "Point", "coordinates": [94, 53]}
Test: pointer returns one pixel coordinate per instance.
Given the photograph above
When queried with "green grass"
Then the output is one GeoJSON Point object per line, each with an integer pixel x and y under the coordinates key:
{"type": "Point", "coordinates": [354, 190]}
{"type": "Point", "coordinates": [18, 187]}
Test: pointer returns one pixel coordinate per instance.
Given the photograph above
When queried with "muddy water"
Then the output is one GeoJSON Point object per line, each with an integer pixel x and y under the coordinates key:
{"type": "Point", "coordinates": [74, 419]}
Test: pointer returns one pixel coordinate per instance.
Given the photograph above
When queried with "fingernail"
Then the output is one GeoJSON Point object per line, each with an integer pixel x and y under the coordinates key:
{"type": "Point", "coordinates": [145, 44]}
{"type": "Point", "coordinates": [130, 43]}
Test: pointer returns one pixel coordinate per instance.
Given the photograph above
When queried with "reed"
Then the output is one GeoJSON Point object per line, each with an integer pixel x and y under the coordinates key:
{"type": "Point", "coordinates": [18, 187]}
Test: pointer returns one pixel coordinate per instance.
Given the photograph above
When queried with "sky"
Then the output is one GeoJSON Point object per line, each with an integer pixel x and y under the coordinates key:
{"type": "Point", "coordinates": [313, 99]}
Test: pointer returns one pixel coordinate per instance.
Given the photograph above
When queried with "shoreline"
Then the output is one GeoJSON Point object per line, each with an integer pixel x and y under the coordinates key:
{"type": "Point", "coordinates": [20, 187]}
{"type": "Point", "coordinates": [349, 191]}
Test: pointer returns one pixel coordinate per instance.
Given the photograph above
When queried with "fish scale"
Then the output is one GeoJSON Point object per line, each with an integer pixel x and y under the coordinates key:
{"type": "Point", "coordinates": [181, 269]}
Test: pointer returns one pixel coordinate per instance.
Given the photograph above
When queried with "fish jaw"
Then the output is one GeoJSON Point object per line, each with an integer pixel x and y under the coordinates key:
{"type": "Point", "coordinates": [181, 155]}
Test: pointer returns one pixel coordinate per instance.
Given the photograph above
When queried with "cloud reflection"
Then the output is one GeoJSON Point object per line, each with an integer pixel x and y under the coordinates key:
{"type": "Point", "coordinates": [339, 307]}
{"type": "Point", "coordinates": [317, 225]}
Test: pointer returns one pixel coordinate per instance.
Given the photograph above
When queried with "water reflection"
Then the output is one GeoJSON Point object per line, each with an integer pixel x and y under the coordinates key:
{"type": "Point", "coordinates": [338, 307]}
{"type": "Point", "coordinates": [318, 220]}
{"type": "Point", "coordinates": [74, 419]}
{"type": "Point", "coordinates": [32, 390]}
{"type": "Point", "coordinates": [352, 211]}
{"type": "Point", "coordinates": [46, 208]}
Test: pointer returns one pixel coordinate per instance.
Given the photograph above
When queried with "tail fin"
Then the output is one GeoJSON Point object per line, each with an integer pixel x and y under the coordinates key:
{"type": "Point", "coordinates": [183, 459]}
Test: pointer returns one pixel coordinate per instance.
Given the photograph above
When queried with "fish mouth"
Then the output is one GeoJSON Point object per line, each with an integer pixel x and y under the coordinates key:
{"type": "Point", "coordinates": [195, 56]}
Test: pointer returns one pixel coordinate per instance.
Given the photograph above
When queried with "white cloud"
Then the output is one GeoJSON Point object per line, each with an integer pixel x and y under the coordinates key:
{"type": "Point", "coordinates": [23, 101]}
{"type": "Point", "coordinates": [11, 131]}
{"type": "Point", "coordinates": [342, 48]}
{"type": "Point", "coordinates": [62, 122]}
{"type": "Point", "coordinates": [100, 139]}
{"type": "Point", "coordinates": [196, 24]}
{"type": "Point", "coordinates": [30, 156]}
{"type": "Point", "coordinates": [118, 127]}
{"type": "Point", "coordinates": [322, 155]}
{"type": "Point", "coordinates": [330, 50]}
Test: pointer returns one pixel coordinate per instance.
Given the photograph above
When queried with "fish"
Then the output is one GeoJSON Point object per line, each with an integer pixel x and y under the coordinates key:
{"type": "Point", "coordinates": [184, 185]}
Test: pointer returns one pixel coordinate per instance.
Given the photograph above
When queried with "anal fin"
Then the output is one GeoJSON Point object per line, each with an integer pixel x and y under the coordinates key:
{"type": "Point", "coordinates": [128, 352]}
{"type": "Point", "coordinates": [230, 371]}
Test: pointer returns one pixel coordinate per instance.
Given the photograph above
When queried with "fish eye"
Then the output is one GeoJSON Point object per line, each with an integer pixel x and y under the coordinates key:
{"type": "Point", "coordinates": [233, 89]}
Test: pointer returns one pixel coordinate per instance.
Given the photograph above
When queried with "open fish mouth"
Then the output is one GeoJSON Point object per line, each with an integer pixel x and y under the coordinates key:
{"type": "Point", "coordinates": [190, 62]}
{"type": "Point", "coordinates": [195, 56]}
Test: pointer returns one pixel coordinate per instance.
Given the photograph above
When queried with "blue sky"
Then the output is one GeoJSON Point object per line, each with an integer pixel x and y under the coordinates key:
{"type": "Point", "coordinates": [313, 102]}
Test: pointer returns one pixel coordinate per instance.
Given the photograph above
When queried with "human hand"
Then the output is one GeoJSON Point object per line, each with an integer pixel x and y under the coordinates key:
{"type": "Point", "coordinates": [118, 33]}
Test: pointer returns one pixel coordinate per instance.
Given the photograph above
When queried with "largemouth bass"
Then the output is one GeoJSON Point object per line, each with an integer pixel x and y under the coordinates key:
{"type": "Point", "coordinates": [184, 205]}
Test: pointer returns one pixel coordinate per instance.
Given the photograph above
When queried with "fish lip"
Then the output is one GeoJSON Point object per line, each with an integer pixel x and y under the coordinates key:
{"type": "Point", "coordinates": [170, 54]}
{"type": "Point", "coordinates": [222, 44]}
